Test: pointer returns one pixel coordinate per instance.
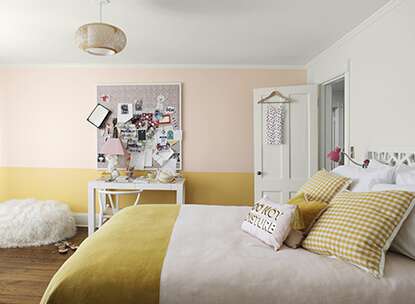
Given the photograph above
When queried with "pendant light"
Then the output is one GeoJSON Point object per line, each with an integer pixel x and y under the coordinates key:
{"type": "Point", "coordinates": [101, 39]}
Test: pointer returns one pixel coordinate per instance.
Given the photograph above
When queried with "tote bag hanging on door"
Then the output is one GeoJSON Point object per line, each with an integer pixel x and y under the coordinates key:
{"type": "Point", "coordinates": [274, 125]}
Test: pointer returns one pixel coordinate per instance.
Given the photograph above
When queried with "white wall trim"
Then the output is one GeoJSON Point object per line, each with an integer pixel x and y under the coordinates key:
{"type": "Point", "coordinates": [157, 66]}
{"type": "Point", "coordinates": [380, 13]}
{"type": "Point", "coordinates": [81, 219]}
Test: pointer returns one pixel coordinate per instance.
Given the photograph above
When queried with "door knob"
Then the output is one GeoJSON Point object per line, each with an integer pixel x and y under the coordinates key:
{"type": "Point", "coordinates": [259, 173]}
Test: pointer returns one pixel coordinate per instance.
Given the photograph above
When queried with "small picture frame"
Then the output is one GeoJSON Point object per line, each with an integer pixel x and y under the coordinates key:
{"type": "Point", "coordinates": [98, 115]}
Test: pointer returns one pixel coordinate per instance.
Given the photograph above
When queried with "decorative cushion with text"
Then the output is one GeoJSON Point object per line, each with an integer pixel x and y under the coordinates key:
{"type": "Point", "coordinates": [269, 222]}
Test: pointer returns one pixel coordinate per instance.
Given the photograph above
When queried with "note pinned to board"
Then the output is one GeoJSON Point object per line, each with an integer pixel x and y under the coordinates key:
{"type": "Point", "coordinates": [170, 166]}
{"type": "Point", "coordinates": [162, 156]}
{"type": "Point", "coordinates": [137, 160]}
{"type": "Point", "coordinates": [124, 112]}
{"type": "Point", "coordinates": [148, 157]}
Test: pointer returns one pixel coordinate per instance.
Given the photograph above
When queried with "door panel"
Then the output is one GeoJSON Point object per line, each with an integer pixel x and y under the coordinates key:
{"type": "Point", "coordinates": [298, 137]}
{"type": "Point", "coordinates": [284, 168]}
{"type": "Point", "coordinates": [274, 195]}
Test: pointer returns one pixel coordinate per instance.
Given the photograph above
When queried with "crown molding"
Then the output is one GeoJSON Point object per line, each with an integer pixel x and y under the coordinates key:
{"type": "Point", "coordinates": [158, 66]}
{"type": "Point", "coordinates": [379, 14]}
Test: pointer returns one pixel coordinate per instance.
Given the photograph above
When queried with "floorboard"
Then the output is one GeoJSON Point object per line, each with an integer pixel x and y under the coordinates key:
{"type": "Point", "coordinates": [26, 272]}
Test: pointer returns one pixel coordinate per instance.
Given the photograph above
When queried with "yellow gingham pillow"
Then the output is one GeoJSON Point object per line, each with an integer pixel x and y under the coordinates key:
{"type": "Point", "coordinates": [323, 186]}
{"type": "Point", "coordinates": [358, 227]}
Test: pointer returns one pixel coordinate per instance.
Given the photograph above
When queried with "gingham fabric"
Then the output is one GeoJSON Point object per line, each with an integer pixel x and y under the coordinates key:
{"type": "Point", "coordinates": [323, 186]}
{"type": "Point", "coordinates": [358, 227]}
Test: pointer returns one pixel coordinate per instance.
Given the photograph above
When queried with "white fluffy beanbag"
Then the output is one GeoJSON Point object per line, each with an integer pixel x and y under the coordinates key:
{"type": "Point", "coordinates": [30, 222]}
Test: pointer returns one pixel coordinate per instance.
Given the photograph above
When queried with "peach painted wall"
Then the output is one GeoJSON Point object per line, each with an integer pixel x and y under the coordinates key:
{"type": "Point", "coordinates": [3, 117]}
{"type": "Point", "coordinates": [44, 112]}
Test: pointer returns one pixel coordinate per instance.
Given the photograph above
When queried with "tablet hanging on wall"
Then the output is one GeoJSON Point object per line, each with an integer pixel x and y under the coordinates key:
{"type": "Point", "coordinates": [98, 115]}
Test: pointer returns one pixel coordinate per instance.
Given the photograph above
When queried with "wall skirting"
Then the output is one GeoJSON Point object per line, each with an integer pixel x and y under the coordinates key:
{"type": "Point", "coordinates": [81, 219]}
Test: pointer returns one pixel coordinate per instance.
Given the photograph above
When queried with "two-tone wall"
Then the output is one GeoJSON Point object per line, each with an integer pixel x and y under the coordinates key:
{"type": "Point", "coordinates": [48, 150]}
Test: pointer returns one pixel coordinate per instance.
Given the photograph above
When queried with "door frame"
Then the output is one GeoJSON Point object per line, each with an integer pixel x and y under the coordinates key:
{"type": "Point", "coordinates": [346, 76]}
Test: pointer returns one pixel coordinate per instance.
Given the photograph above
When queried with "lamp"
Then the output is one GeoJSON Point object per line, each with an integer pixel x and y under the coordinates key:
{"type": "Point", "coordinates": [101, 39]}
{"type": "Point", "coordinates": [112, 148]}
{"type": "Point", "coordinates": [337, 155]}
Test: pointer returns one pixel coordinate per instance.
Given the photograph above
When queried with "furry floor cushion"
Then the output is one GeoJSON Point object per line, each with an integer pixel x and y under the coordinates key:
{"type": "Point", "coordinates": [33, 223]}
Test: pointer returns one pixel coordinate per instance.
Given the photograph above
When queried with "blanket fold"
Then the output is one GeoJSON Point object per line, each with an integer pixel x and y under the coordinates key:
{"type": "Point", "coordinates": [120, 263]}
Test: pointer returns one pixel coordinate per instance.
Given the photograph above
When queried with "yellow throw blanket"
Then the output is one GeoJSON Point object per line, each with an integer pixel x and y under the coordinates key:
{"type": "Point", "coordinates": [120, 263]}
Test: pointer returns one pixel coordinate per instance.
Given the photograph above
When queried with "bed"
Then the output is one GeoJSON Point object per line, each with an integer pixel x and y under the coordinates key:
{"type": "Point", "coordinates": [198, 254]}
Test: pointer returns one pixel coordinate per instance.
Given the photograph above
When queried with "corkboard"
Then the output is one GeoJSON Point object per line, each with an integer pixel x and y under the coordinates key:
{"type": "Point", "coordinates": [111, 95]}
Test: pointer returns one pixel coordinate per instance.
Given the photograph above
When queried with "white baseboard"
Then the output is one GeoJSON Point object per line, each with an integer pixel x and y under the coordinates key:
{"type": "Point", "coordinates": [81, 219]}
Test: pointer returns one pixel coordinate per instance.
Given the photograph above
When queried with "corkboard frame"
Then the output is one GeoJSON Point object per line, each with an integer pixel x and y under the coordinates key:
{"type": "Point", "coordinates": [179, 85]}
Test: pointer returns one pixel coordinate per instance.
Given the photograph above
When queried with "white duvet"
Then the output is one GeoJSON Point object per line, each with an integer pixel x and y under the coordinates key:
{"type": "Point", "coordinates": [210, 260]}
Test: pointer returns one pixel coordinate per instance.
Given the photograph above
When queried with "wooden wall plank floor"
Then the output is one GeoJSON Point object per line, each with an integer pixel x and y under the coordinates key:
{"type": "Point", "coordinates": [26, 272]}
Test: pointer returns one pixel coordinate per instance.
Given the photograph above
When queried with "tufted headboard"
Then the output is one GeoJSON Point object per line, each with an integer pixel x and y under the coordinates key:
{"type": "Point", "coordinates": [393, 156]}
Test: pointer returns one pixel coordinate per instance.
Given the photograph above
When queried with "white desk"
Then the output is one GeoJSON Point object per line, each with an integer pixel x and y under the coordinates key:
{"type": "Point", "coordinates": [177, 186]}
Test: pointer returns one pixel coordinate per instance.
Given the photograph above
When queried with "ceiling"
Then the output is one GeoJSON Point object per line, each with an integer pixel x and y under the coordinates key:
{"type": "Point", "coordinates": [181, 32]}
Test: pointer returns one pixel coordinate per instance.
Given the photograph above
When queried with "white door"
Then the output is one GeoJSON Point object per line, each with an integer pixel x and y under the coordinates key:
{"type": "Point", "coordinates": [280, 170]}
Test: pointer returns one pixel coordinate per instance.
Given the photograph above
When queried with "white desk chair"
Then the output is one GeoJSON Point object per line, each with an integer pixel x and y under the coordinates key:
{"type": "Point", "coordinates": [107, 210]}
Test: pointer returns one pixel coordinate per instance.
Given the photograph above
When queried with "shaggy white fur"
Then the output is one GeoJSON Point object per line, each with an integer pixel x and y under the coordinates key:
{"type": "Point", "coordinates": [33, 223]}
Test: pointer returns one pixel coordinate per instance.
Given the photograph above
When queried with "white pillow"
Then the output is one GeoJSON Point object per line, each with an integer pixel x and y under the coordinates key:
{"type": "Point", "coordinates": [364, 179]}
{"type": "Point", "coordinates": [405, 175]}
{"type": "Point", "coordinates": [269, 222]}
{"type": "Point", "coordinates": [404, 242]}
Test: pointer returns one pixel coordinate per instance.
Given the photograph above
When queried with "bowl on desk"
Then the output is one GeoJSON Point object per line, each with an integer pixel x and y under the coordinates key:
{"type": "Point", "coordinates": [166, 177]}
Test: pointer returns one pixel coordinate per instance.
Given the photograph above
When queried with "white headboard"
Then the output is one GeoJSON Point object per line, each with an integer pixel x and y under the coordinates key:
{"type": "Point", "coordinates": [393, 156]}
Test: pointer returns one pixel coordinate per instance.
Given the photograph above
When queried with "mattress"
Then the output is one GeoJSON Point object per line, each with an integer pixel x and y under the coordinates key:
{"type": "Point", "coordinates": [209, 259]}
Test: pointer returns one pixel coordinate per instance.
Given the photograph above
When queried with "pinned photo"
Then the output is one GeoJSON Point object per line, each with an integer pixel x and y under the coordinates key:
{"type": "Point", "coordinates": [125, 112]}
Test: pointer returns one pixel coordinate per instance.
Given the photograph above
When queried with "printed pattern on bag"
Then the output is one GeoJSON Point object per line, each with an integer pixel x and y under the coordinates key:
{"type": "Point", "coordinates": [274, 125]}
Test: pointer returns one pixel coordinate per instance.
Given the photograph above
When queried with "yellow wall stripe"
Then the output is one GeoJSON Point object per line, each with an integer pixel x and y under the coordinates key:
{"type": "Point", "coordinates": [70, 186]}
{"type": "Point", "coordinates": [3, 184]}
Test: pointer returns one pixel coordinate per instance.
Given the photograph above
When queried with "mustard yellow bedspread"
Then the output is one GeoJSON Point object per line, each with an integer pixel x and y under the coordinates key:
{"type": "Point", "coordinates": [120, 263]}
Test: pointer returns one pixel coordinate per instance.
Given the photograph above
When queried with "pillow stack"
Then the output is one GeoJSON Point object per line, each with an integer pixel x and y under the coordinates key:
{"type": "Point", "coordinates": [311, 201]}
{"type": "Point", "coordinates": [306, 213]}
{"type": "Point", "coordinates": [301, 212]}
{"type": "Point", "coordinates": [363, 179]}
{"type": "Point", "coordinates": [405, 175]}
{"type": "Point", "coordinates": [324, 185]}
{"type": "Point", "coordinates": [404, 242]}
{"type": "Point", "coordinates": [356, 227]}
{"type": "Point", "coordinates": [359, 227]}
{"type": "Point", "coordinates": [382, 177]}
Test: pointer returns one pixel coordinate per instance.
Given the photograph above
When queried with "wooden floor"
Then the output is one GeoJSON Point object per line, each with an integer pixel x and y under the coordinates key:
{"type": "Point", "coordinates": [26, 272]}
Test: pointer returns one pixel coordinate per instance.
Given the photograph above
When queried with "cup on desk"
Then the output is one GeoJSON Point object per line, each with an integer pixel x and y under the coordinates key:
{"type": "Point", "coordinates": [165, 177]}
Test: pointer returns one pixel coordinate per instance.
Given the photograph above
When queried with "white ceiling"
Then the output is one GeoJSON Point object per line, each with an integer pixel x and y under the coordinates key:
{"type": "Point", "coordinates": [211, 32]}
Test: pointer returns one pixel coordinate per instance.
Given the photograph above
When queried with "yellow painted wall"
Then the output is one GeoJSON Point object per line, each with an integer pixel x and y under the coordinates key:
{"type": "Point", "coordinates": [3, 184]}
{"type": "Point", "coordinates": [70, 186]}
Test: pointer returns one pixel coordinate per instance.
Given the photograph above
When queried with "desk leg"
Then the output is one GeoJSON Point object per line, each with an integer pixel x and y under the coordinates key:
{"type": "Point", "coordinates": [180, 195]}
{"type": "Point", "coordinates": [91, 210]}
